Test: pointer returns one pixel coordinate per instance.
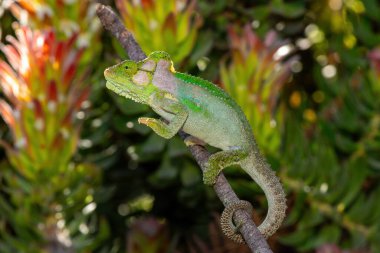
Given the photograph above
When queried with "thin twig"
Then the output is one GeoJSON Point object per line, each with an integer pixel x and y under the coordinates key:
{"type": "Point", "coordinates": [251, 234]}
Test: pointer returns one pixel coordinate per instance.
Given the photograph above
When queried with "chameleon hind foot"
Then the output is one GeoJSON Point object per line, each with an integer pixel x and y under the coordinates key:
{"type": "Point", "coordinates": [226, 220]}
{"type": "Point", "coordinates": [218, 161]}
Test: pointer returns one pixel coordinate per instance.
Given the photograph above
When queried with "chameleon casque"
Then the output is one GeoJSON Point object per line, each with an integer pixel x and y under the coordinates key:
{"type": "Point", "coordinates": [210, 116]}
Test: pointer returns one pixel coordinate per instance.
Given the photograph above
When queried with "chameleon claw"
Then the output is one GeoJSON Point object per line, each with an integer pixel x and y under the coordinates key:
{"type": "Point", "coordinates": [143, 120]}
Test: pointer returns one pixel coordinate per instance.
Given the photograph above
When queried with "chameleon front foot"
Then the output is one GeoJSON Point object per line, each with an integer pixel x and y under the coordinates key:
{"type": "Point", "coordinates": [226, 220]}
{"type": "Point", "coordinates": [158, 126]}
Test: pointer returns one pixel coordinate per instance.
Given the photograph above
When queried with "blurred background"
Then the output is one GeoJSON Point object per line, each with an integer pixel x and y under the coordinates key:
{"type": "Point", "coordinates": [78, 174]}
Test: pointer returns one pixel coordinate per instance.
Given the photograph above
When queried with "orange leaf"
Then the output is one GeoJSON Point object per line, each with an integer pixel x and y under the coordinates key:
{"type": "Point", "coordinates": [170, 23]}
{"type": "Point", "coordinates": [12, 55]}
{"type": "Point", "coordinates": [147, 4]}
{"type": "Point", "coordinates": [69, 74]}
{"type": "Point", "coordinates": [38, 111]}
{"type": "Point", "coordinates": [82, 97]}
{"type": "Point", "coordinates": [59, 52]}
{"type": "Point", "coordinates": [7, 113]}
{"type": "Point", "coordinates": [52, 91]}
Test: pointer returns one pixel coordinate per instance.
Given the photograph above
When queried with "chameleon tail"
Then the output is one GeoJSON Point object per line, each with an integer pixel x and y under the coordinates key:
{"type": "Point", "coordinates": [265, 177]}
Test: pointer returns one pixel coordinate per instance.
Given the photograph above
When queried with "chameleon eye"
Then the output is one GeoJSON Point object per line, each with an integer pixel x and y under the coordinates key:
{"type": "Point", "coordinates": [130, 67]}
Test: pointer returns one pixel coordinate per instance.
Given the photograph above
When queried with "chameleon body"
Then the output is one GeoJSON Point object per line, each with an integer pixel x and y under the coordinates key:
{"type": "Point", "coordinates": [210, 116]}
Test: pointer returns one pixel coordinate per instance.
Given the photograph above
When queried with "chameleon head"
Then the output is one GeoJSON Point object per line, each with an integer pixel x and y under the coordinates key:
{"type": "Point", "coordinates": [134, 80]}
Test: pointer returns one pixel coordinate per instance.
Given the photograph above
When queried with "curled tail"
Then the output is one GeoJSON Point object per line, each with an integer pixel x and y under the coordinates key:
{"type": "Point", "coordinates": [256, 166]}
{"type": "Point", "coordinates": [266, 178]}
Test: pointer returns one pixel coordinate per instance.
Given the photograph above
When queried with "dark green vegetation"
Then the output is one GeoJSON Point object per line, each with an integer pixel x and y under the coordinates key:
{"type": "Point", "coordinates": [80, 173]}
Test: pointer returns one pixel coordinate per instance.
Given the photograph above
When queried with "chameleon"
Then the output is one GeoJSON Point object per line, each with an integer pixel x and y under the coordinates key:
{"type": "Point", "coordinates": [210, 116]}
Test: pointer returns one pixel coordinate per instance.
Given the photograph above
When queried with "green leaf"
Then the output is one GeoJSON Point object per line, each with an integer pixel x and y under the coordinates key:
{"type": "Point", "coordinates": [119, 49]}
{"type": "Point", "coordinates": [329, 234]}
{"type": "Point", "coordinates": [288, 10]}
{"type": "Point", "coordinates": [165, 175]}
{"type": "Point", "coordinates": [364, 31]}
{"type": "Point", "coordinates": [310, 219]}
{"type": "Point", "coordinates": [297, 209]}
{"type": "Point", "coordinates": [190, 175]}
{"type": "Point", "coordinates": [297, 238]}
{"type": "Point", "coordinates": [372, 9]}
{"type": "Point", "coordinates": [129, 107]}
{"type": "Point", "coordinates": [176, 147]}
{"type": "Point", "coordinates": [103, 194]}
{"type": "Point", "coordinates": [153, 145]}
{"type": "Point", "coordinates": [202, 47]}
{"type": "Point", "coordinates": [374, 163]}
{"type": "Point", "coordinates": [356, 173]}
{"type": "Point", "coordinates": [120, 122]}
{"type": "Point", "coordinates": [344, 143]}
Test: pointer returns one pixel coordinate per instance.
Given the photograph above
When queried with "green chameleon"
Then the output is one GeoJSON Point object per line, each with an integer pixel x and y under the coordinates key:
{"type": "Point", "coordinates": [209, 116]}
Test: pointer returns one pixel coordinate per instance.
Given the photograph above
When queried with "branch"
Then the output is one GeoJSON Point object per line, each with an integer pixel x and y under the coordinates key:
{"type": "Point", "coordinates": [249, 231]}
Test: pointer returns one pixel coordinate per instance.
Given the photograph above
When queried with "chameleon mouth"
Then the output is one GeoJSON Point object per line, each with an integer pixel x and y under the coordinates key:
{"type": "Point", "coordinates": [124, 91]}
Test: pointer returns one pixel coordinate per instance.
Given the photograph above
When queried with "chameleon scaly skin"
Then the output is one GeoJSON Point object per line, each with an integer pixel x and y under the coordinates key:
{"type": "Point", "coordinates": [210, 116]}
{"type": "Point", "coordinates": [227, 217]}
